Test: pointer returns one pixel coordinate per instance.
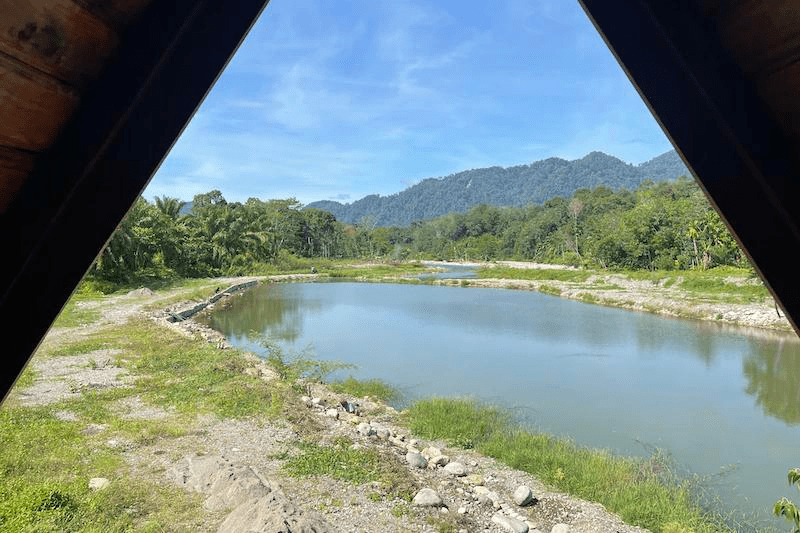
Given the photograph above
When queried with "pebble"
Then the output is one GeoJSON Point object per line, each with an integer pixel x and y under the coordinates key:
{"type": "Point", "coordinates": [427, 498]}
{"type": "Point", "coordinates": [99, 483]}
{"type": "Point", "coordinates": [474, 479]}
{"type": "Point", "coordinates": [430, 452]}
{"type": "Point", "coordinates": [416, 460]}
{"type": "Point", "coordinates": [332, 413]}
{"type": "Point", "coordinates": [462, 510]}
{"type": "Point", "coordinates": [523, 495]}
{"type": "Point", "coordinates": [509, 524]}
{"type": "Point", "coordinates": [440, 460]}
{"type": "Point", "coordinates": [455, 468]}
{"type": "Point", "coordinates": [560, 528]}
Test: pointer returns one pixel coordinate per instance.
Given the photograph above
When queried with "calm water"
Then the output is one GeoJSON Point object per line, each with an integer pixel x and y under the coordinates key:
{"type": "Point", "coordinates": [608, 378]}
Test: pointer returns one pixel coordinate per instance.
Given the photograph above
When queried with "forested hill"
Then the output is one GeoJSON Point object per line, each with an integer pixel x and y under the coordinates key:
{"type": "Point", "coordinates": [514, 186]}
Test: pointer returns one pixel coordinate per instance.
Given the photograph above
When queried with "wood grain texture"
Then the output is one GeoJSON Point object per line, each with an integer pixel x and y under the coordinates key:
{"type": "Point", "coordinates": [33, 106]}
{"type": "Point", "coordinates": [58, 37]}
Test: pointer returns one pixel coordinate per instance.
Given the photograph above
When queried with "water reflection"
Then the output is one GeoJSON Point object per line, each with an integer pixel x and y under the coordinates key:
{"type": "Point", "coordinates": [772, 370]}
{"type": "Point", "coordinates": [263, 311]}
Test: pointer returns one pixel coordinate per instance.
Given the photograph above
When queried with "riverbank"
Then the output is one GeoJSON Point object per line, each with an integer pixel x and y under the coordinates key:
{"type": "Point", "coordinates": [727, 296]}
{"type": "Point", "coordinates": [145, 424]}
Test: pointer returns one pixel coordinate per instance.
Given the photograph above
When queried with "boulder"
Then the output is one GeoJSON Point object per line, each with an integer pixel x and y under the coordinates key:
{"type": "Point", "coordinates": [416, 460]}
{"type": "Point", "coordinates": [523, 495]}
{"type": "Point", "coordinates": [427, 498]}
{"type": "Point", "coordinates": [456, 468]}
{"type": "Point", "coordinates": [509, 524]}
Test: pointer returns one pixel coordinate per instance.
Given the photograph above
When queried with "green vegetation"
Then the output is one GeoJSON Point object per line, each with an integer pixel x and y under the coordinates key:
{"type": "Point", "coordinates": [45, 465]}
{"type": "Point", "coordinates": [785, 507]}
{"type": "Point", "coordinates": [578, 276]}
{"type": "Point", "coordinates": [337, 462]}
{"type": "Point", "coordinates": [665, 226]}
{"type": "Point", "coordinates": [374, 388]}
{"type": "Point", "coordinates": [643, 492]}
{"type": "Point", "coordinates": [513, 186]}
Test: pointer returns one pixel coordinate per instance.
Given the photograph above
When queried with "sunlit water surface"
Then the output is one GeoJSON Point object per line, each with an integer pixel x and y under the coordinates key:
{"type": "Point", "coordinates": [710, 396]}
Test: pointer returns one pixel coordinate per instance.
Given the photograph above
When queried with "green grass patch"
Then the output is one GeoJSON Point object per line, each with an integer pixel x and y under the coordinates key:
{"type": "Point", "coordinates": [459, 422]}
{"type": "Point", "coordinates": [374, 388]}
{"type": "Point", "coordinates": [191, 376]}
{"type": "Point", "coordinates": [499, 272]}
{"type": "Point", "coordinates": [337, 462]}
{"type": "Point", "coordinates": [549, 289]}
{"type": "Point", "coordinates": [588, 297]}
{"type": "Point", "coordinates": [45, 467]}
{"type": "Point", "coordinates": [74, 315]}
{"type": "Point", "coordinates": [93, 343]}
{"type": "Point", "coordinates": [643, 492]}
{"type": "Point", "coordinates": [379, 271]}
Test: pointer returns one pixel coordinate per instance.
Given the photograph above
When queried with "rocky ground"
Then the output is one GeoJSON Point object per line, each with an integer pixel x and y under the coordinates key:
{"type": "Point", "coordinates": [237, 464]}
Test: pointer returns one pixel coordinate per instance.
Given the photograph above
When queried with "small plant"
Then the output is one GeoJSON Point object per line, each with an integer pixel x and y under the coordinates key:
{"type": "Point", "coordinates": [785, 507]}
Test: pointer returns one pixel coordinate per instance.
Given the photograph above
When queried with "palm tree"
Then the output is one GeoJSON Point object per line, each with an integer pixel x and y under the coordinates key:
{"type": "Point", "coordinates": [171, 207]}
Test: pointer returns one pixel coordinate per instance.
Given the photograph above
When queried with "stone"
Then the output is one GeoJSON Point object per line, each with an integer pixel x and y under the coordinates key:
{"type": "Point", "coordinates": [99, 483]}
{"type": "Point", "coordinates": [383, 433]}
{"type": "Point", "coordinates": [462, 510]}
{"type": "Point", "coordinates": [416, 460]}
{"type": "Point", "coordinates": [440, 460]}
{"type": "Point", "coordinates": [473, 479]}
{"type": "Point", "coordinates": [306, 400]}
{"type": "Point", "coordinates": [523, 495]}
{"type": "Point", "coordinates": [317, 401]}
{"type": "Point", "coordinates": [456, 468]}
{"type": "Point", "coordinates": [560, 528]}
{"type": "Point", "coordinates": [431, 451]}
{"type": "Point", "coordinates": [332, 413]}
{"type": "Point", "coordinates": [427, 498]}
{"type": "Point", "coordinates": [365, 429]}
{"type": "Point", "coordinates": [509, 524]}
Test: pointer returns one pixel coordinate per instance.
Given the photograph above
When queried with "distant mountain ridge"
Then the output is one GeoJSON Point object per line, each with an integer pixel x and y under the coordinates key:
{"type": "Point", "coordinates": [513, 186]}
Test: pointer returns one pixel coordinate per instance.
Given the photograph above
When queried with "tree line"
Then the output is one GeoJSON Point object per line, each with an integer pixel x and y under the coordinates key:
{"type": "Point", "coordinates": [665, 225]}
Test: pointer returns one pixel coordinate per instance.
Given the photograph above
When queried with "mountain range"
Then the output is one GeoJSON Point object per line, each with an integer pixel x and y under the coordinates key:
{"type": "Point", "coordinates": [513, 186]}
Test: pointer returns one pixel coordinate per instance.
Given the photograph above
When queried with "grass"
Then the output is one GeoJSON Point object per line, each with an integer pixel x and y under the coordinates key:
{"type": "Point", "coordinates": [378, 271]}
{"type": "Point", "coordinates": [578, 276]}
{"type": "Point", "coordinates": [644, 493]}
{"type": "Point", "coordinates": [74, 315]}
{"type": "Point", "coordinates": [374, 388]}
{"type": "Point", "coordinates": [44, 482]}
{"type": "Point", "coordinates": [337, 462]}
{"type": "Point", "coordinates": [356, 466]}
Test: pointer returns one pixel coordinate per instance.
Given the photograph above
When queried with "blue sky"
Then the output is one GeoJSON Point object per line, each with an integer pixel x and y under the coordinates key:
{"type": "Point", "coordinates": [337, 100]}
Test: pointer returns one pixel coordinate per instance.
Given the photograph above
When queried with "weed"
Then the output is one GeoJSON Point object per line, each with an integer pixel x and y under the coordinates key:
{"type": "Point", "coordinates": [374, 388]}
{"type": "Point", "coordinates": [549, 289]}
{"type": "Point", "coordinates": [647, 497]}
{"type": "Point", "coordinates": [345, 464]}
{"type": "Point", "coordinates": [535, 274]}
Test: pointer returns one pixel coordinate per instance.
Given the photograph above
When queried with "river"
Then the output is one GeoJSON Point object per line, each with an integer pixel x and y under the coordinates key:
{"type": "Point", "coordinates": [717, 399]}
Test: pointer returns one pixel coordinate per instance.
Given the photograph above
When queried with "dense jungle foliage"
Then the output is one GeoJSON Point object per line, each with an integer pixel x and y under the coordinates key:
{"type": "Point", "coordinates": [668, 225]}
{"type": "Point", "coordinates": [516, 186]}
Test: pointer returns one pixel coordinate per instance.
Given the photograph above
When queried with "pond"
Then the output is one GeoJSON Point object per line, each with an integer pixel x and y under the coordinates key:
{"type": "Point", "coordinates": [717, 399]}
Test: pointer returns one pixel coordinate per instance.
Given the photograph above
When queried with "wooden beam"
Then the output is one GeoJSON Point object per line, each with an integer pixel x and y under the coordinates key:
{"type": "Point", "coordinates": [715, 119]}
{"type": "Point", "coordinates": [126, 123]}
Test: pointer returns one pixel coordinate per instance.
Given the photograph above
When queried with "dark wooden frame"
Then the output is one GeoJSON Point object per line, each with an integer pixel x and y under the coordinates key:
{"type": "Point", "coordinates": [128, 120]}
